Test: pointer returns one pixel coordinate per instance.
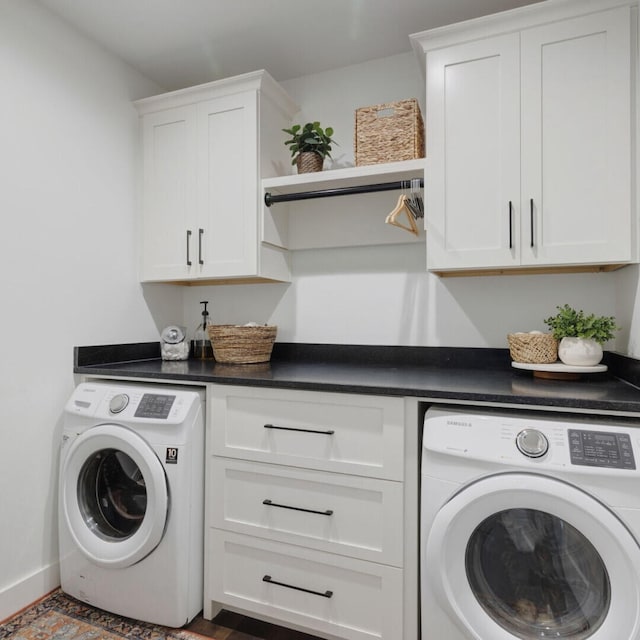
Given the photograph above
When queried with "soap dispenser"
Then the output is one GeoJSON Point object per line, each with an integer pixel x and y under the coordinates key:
{"type": "Point", "coordinates": [202, 348]}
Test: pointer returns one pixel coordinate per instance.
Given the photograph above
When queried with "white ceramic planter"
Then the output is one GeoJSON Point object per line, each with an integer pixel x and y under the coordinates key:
{"type": "Point", "coordinates": [579, 352]}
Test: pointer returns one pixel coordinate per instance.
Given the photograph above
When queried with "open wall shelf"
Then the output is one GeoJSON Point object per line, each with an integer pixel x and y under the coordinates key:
{"type": "Point", "coordinates": [343, 178]}
{"type": "Point", "coordinates": [316, 220]}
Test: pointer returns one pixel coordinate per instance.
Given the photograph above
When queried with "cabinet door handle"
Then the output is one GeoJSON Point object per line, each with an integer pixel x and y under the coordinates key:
{"type": "Point", "coordinates": [531, 216]}
{"type": "Point", "coordinates": [269, 503]}
{"type": "Point", "coordinates": [325, 432]}
{"type": "Point", "coordinates": [188, 243]}
{"type": "Point", "coordinates": [510, 224]}
{"type": "Point", "coordinates": [269, 579]}
{"type": "Point", "coordinates": [200, 232]}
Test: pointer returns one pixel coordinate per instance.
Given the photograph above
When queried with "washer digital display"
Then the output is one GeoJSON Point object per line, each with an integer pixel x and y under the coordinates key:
{"type": "Point", "coordinates": [155, 405]}
{"type": "Point", "coordinates": [599, 449]}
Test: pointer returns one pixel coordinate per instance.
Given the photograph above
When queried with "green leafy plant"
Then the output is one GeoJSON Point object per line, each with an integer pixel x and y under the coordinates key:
{"type": "Point", "coordinates": [311, 137]}
{"type": "Point", "coordinates": [569, 323]}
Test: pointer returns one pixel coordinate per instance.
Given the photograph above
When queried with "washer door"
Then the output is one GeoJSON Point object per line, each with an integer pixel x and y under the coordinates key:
{"type": "Point", "coordinates": [525, 556]}
{"type": "Point", "coordinates": [114, 496]}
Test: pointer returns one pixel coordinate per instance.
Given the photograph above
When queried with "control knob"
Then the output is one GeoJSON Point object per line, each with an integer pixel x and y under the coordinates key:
{"type": "Point", "coordinates": [532, 443]}
{"type": "Point", "coordinates": [118, 403]}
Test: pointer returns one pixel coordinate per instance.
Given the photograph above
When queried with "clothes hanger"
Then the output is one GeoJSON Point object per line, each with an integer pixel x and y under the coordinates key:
{"type": "Point", "coordinates": [415, 199]}
{"type": "Point", "coordinates": [400, 209]}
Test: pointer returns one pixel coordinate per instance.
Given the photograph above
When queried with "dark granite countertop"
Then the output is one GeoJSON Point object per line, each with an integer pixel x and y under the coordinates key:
{"type": "Point", "coordinates": [439, 373]}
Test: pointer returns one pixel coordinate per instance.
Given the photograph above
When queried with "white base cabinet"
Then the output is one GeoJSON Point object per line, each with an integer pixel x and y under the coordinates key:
{"type": "Point", "coordinates": [205, 151]}
{"type": "Point", "coordinates": [530, 138]}
{"type": "Point", "coordinates": [306, 512]}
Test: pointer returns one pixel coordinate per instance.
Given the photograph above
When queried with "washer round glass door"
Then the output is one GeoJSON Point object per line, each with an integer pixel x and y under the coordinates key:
{"type": "Point", "coordinates": [524, 556]}
{"type": "Point", "coordinates": [114, 496]}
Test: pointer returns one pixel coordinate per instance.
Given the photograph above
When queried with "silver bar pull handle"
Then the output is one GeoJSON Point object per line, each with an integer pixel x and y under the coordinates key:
{"type": "Point", "coordinates": [188, 247]}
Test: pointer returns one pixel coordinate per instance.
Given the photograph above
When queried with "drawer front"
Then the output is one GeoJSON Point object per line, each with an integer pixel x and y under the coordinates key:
{"type": "Point", "coordinates": [355, 434]}
{"type": "Point", "coordinates": [349, 598]}
{"type": "Point", "coordinates": [348, 515]}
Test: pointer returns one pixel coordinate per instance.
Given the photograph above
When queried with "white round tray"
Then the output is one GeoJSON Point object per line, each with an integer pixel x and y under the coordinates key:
{"type": "Point", "coordinates": [559, 367]}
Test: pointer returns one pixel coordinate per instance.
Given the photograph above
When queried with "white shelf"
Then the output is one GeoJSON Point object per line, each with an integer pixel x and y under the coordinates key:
{"type": "Point", "coordinates": [321, 222]}
{"type": "Point", "coordinates": [349, 177]}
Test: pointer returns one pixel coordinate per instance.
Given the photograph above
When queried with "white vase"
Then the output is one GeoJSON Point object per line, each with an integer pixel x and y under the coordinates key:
{"type": "Point", "coordinates": [581, 352]}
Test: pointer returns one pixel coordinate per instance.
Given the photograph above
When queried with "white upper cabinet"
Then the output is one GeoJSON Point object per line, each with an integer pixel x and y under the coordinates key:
{"type": "Point", "coordinates": [529, 139]}
{"type": "Point", "coordinates": [205, 151]}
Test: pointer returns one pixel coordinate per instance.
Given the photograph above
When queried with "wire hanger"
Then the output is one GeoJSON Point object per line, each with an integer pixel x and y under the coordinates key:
{"type": "Point", "coordinates": [403, 209]}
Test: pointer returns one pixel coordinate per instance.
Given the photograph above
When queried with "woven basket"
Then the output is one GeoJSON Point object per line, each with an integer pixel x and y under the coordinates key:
{"type": "Point", "coordinates": [533, 348]}
{"type": "Point", "coordinates": [389, 132]}
{"type": "Point", "coordinates": [242, 345]}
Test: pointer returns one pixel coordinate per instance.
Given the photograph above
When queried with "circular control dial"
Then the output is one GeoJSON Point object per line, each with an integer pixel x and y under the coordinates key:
{"type": "Point", "coordinates": [118, 403]}
{"type": "Point", "coordinates": [532, 443]}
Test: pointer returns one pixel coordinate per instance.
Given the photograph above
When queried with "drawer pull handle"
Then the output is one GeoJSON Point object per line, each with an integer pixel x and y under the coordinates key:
{"type": "Point", "coordinates": [325, 432]}
{"type": "Point", "coordinates": [269, 503]}
{"type": "Point", "coordinates": [326, 594]}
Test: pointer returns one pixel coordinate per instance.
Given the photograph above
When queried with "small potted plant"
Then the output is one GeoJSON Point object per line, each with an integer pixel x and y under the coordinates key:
{"type": "Point", "coordinates": [581, 336]}
{"type": "Point", "coordinates": [309, 145]}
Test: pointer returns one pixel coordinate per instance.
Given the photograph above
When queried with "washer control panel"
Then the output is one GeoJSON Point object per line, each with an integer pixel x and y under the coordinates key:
{"type": "Point", "coordinates": [133, 403]}
{"type": "Point", "coordinates": [600, 449]}
{"type": "Point", "coordinates": [526, 440]}
{"type": "Point", "coordinates": [155, 405]}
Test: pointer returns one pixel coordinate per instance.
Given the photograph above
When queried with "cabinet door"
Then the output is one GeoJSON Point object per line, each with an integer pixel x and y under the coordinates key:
{"type": "Point", "coordinates": [576, 140]}
{"type": "Point", "coordinates": [227, 233]}
{"type": "Point", "coordinates": [168, 226]}
{"type": "Point", "coordinates": [473, 154]}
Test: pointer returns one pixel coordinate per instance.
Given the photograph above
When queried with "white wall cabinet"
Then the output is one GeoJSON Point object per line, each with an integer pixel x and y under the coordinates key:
{"type": "Point", "coordinates": [529, 139]}
{"type": "Point", "coordinates": [306, 512]}
{"type": "Point", "coordinates": [205, 151]}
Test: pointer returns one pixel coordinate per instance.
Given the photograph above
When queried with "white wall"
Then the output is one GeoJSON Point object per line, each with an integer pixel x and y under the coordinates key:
{"type": "Point", "coordinates": [382, 294]}
{"type": "Point", "coordinates": [68, 137]}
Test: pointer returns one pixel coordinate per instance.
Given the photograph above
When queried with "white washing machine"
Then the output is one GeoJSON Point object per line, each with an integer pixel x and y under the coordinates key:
{"type": "Point", "coordinates": [131, 500]}
{"type": "Point", "coordinates": [529, 527]}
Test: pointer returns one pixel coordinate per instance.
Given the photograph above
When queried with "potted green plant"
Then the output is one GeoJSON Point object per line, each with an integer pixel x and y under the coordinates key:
{"type": "Point", "coordinates": [581, 336]}
{"type": "Point", "coordinates": [309, 145]}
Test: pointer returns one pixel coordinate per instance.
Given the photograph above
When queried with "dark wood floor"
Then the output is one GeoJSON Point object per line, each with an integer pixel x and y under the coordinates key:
{"type": "Point", "coordinates": [232, 626]}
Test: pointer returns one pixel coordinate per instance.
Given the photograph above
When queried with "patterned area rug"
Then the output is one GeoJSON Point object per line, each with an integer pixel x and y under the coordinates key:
{"type": "Point", "coordinates": [60, 617]}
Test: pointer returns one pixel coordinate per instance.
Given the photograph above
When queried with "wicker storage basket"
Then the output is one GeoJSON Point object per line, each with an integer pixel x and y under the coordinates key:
{"type": "Point", "coordinates": [388, 133]}
{"type": "Point", "coordinates": [242, 345]}
{"type": "Point", "coordinates": [533, 348]}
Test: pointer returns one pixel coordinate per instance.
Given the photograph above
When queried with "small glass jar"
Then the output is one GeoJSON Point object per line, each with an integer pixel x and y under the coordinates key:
{"type": "Point", "coordinates": [173, 343]}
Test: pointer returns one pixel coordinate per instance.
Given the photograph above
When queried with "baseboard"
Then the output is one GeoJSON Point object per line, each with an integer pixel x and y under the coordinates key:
{"type": "Point", "coordinates": [21, 594]}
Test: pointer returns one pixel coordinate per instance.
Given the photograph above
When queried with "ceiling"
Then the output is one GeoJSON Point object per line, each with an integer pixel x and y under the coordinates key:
{"type": "Point", "coordinates": [181, 43]}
